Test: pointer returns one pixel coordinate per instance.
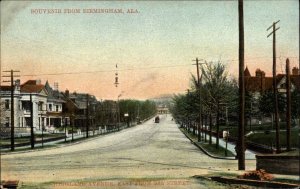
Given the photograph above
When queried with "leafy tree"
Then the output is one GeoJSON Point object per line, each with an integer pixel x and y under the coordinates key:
{"type": "Point", "coordinates": [216, 89]}
{"type": "Point", "coordinates": [296, 105]}
{"type": "Point", "coordinates": [266, 104]}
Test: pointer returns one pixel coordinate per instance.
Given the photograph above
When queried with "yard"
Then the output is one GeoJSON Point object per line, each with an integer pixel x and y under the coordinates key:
{"type": "Point", "coordinates": [26, 139]}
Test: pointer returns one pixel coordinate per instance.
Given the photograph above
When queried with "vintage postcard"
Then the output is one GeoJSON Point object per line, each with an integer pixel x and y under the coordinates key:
{"type": "Point", "coordinates": [150, 94]}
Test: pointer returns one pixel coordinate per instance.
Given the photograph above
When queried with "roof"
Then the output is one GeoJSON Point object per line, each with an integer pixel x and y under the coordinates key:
{"type": "Point", "coordinates": [31, 82]}
{"type": "Point", "coordinates": [54, 95]}
{"type": "Point", "coordinates": [262, 83]}
{"type": "Point", "coordinates": [5, 88]}
{"type": "Point", "coordinates": [247, 73]}
{"type": "Point", "coordinates": [32, 88]}
{"type": "Point", "coordinates": [295, 79]}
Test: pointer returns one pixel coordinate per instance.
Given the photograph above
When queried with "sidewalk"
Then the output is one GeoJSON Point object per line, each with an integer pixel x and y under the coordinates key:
{"type": "Point", "coordinates": [249, 155]}
{"type": "Point", "coordinates": [231, 147]}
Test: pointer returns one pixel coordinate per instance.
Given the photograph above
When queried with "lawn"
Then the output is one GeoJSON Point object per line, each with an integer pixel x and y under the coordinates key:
{"type": "Point", "coordinates": [269, 139]}
{"type": "Point", "coordinates": [26, 139]}
{"type": "Point", "coordinates": [210, 148]}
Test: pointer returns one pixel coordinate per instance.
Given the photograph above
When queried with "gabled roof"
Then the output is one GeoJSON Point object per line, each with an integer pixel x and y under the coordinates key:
{"type": "Point", "coordinates": [32, 86]}
{"type": "Point", "coordinates": [31, 82]}
{"type": "Point", "coordinates": [53, 95]}
{"type": "Point", "coordinates": [247, 73]}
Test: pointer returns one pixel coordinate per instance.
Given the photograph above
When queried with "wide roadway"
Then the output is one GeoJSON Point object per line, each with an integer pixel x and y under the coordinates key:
{"type": "Point", "coordinates": [152, 154]}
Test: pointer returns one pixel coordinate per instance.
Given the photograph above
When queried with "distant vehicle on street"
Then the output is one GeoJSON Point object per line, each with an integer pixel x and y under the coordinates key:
{"type": "Point", "coordinates": [157, 119]}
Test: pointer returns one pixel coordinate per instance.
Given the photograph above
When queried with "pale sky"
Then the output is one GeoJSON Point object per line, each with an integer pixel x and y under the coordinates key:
{"type": "Point", "coordinates": [153, 48]}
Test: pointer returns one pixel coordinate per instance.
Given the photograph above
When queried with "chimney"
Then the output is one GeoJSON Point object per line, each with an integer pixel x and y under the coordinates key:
{"type": "Point", "coordinates": [67, 93]}
{"type": "Point", "coordinates": [17, 85]}
{"type": "Point", "coordinates": [38, 82]}
{"type": "Point", "coordinates": [258, 73]}
{"type": "Point", "coordinates": [295, 71]}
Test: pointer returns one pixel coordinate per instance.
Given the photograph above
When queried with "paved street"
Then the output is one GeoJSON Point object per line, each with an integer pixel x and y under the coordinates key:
{"type": "Point", "coordinates": [148, 151]}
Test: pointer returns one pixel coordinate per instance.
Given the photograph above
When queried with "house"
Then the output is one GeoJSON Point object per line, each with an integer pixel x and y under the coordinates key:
{"type": "Point", "coordinates": [261, 83]}
{"type": "Point", "coordinates": [162, 109]}
{"type": "Point", "coordinates": [51, 108]}
{"type": "Point", "coordinates": [78, 104]}
{"type": "Point", "coordinates": [55, 102]}
{"type": "Point", "coordinates": [5, 105]}
{"type": "Point", "coordinates": [38, 94]}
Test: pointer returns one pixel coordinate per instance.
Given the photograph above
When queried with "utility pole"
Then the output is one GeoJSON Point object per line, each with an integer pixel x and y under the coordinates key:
{"type": "Point", "coordinates": [200, 104]}
{"type": "Point", "coordinates": [87, 115]}
{"type": "Point", "coordinates": [288, 103]}
{"type": "Point", "coordinates": [241, 129]}
{"type": "Point", "coordinates": [12, 108]}
{"type": "Point", "coordinates": [273, 26]}
{"type": "Point", "coordinates": [31, 123]}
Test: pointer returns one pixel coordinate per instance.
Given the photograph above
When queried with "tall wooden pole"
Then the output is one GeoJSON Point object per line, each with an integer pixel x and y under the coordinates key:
{"type": "Point", "coordinates": [31, 123]}
{"type": "Point", "coordinates": [288, 103]}
{"type": "Point", "coordinates": [241, 128]}
{"type": "Point", "coordinates": [198, 88]}
{"type": "Point", "coordinates": [12, 112]}
{"type": "Point", "coordinates": [12, 104]}
{"type": "Point", "coordinates": [273, 26]}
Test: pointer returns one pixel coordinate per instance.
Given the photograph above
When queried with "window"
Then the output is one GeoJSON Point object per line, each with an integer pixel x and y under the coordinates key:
{"type": "Point", "coordinates": [56, 108]}
{"type": "Point", "coordinates": [7, 122]}
{"type": "Point", "coordinates": [6, 104]}
{"type": "Point", "coordinates": [26, 105]}
{"type": "Point", "coordinates": [50, 107]}
{"type": "Point", "coordinates": [40, 105]}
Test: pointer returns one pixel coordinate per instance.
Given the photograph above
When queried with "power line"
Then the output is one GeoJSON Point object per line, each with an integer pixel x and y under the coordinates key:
{"type": "Point", "coordinates": [99, 71]}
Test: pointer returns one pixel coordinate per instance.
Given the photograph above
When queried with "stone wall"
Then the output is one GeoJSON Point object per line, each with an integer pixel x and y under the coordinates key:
{"type": "Point", "coordinates": [278, 164]}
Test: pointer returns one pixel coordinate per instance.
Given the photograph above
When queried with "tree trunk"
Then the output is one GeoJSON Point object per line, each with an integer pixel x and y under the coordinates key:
{"type": "Point", "coordinates": [210, 128]}
{"type": "Point", "coordinates": [218, 125]}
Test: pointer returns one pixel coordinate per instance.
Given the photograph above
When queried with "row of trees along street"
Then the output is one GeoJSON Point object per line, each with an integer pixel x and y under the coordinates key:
{"type": "Point", "coordinates": [220, 111]}
{"type": "Point", "coordinates": [125, 111]}
{"type": "Point", "coordinates": [136, 110]}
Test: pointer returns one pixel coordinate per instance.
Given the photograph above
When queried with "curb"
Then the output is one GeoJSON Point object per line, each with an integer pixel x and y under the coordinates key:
{"type": "Point", "coordinates": [258, 183]}
{"type": "Point", "coordinates": [204, 151]}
